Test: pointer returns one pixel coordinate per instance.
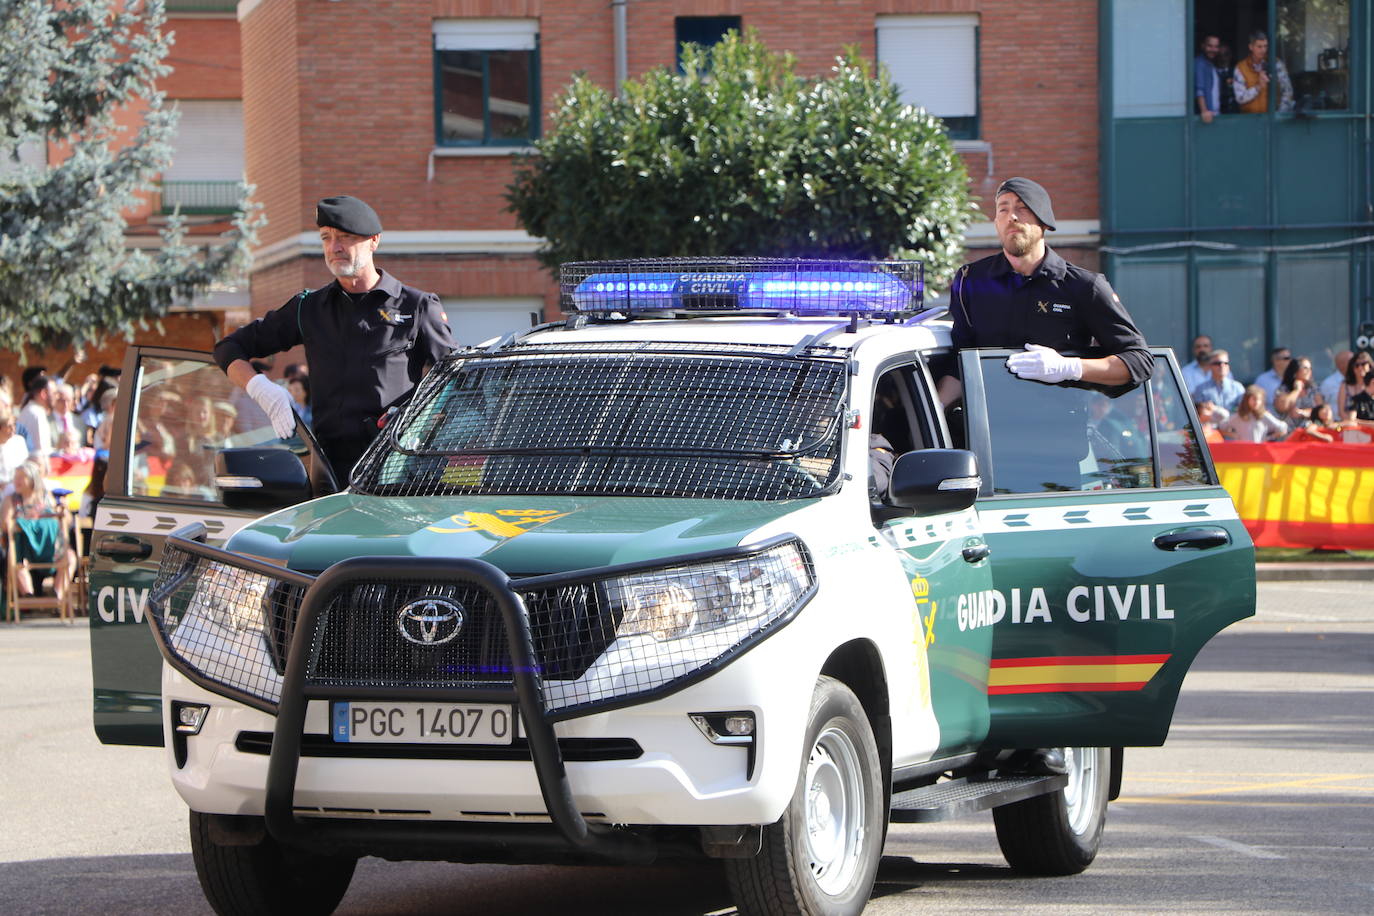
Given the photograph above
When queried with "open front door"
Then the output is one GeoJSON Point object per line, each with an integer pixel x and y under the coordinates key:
{"type": "Point", "coordinates": [176, 409]}
{"type": "Point", "coordinates": [1115, 553]}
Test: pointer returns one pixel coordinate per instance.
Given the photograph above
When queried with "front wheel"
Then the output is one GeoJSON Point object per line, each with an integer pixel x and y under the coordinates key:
{"type": "Point", "coordinates": [262, 877]}
{"type": "Point", "coordinates": [1059, 833]}
{"type": "Point", "coordinates": [822, 857]}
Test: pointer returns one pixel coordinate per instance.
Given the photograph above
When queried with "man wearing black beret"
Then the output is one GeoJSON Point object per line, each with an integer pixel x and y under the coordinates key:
{"type": "Point", "coordinates": [1028, 296]}
{"type": "Point", "coordinates": [368, 339]}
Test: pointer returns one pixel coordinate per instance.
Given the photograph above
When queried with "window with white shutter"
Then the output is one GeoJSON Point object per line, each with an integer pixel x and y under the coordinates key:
{"type": "Point", "coordinates": [933, 60]}
{"type": "Point", "coordinates": [207, 157]}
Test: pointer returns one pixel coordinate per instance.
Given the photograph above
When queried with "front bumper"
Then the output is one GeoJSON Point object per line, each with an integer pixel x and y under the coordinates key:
{"type": "Point", "coordinates": [347, 803]}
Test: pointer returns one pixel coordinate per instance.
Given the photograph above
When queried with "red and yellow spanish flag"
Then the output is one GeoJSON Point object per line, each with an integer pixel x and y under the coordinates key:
{"type": "Point", "coordinates": [1073, 673]}
{"type": "Point", "coordinates": [1296, 494]}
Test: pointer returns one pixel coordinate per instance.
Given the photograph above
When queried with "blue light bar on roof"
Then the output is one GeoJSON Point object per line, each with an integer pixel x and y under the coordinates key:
{"type": "Point", "coordinates": [810, 291]}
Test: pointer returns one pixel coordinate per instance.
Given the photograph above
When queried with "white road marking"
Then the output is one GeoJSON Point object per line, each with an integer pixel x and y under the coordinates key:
{"type": "Point", "coordinates": [1253, 851]}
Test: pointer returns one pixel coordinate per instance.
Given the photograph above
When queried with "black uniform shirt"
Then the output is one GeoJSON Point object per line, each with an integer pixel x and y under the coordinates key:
{"type": "Point", "coordinates": [365, 351]}
{"type": "Point", "coordinates": [1059, 306]}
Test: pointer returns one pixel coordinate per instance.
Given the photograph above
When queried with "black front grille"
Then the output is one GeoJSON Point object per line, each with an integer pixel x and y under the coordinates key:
{"type": "Point", "coordinates": [361, 637]}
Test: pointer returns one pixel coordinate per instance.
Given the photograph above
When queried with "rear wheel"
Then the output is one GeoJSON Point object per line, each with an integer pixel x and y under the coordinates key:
{"type": "Point", "coordinates": [1059, 833]}
{"type": "Point", "coordinates": [822, 857]}
{"type": "Point", "coordinates": [264, 877]}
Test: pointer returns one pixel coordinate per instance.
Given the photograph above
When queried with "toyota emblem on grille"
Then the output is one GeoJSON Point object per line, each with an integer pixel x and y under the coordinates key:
{"type": "Point", "coordinates": [430, 621]}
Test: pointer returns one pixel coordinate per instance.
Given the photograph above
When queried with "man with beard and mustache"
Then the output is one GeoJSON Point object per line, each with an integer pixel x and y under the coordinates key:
{"type": "Point", "coordinates": [1028, 296]}
{"type": "Point", "coordinates": [368, 339]}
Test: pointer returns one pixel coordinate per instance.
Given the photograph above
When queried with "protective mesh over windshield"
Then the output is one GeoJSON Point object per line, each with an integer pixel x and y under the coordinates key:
{"type": "Point", "coordinates": [631, 419]}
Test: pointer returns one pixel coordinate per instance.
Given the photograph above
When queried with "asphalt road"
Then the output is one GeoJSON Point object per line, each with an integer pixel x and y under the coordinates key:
{"type": "Point", "coordinates": [1262, 802]}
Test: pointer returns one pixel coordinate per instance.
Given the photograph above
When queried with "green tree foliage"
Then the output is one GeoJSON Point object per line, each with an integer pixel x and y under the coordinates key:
{"type": "Point", "coordinates": [66, 276]}
{"type": "Point", "coordinates": [742, 156]}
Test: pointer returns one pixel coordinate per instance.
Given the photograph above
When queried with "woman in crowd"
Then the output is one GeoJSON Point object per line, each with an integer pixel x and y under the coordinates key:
{"type": "Point", "coordinates": [1252, 421]}
{"type": "Point", "coordinates": [1360, 365]}
{"type": "Point", "coordinates": [36, 520]}
{"type": "Point", "coordinates": [1297, 395]}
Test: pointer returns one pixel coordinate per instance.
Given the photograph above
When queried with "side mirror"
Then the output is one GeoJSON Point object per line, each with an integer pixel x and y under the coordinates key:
{"type": "Point", "coordinates": [260, 478]}
{"type": "Point", "coordinates": [935, 480]}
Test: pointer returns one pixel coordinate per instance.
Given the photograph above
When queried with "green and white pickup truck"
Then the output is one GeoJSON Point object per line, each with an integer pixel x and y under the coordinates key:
{"type": "Point", "coordinates": [626, 587]}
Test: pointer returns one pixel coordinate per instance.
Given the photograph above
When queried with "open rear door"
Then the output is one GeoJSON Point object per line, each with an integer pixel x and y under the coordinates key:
{"type": "Point", "coordinates": [1115, 554]}
{"type": "Point", "coordinates": [176, 409]}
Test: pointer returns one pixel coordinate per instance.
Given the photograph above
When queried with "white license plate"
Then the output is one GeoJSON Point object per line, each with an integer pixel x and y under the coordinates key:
{"type": "Point", "coordinates": [423, 723]}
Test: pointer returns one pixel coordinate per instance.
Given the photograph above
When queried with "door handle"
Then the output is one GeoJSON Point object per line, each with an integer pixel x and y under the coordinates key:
{"type": "Point", "coordinates": [1203, 538]}
{"type": "Point", "coordinates": [123, 547]}
{"type": "Point", "coordinates": [976, 552]}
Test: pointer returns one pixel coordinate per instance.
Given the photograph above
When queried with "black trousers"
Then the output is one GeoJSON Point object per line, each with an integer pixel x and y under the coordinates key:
{"type": "Point", "coordinates": [343, 452]}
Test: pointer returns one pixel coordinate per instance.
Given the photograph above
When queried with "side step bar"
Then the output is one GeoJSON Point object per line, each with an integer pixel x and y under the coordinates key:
{"type": "Point", "coordinates": [958, 797]}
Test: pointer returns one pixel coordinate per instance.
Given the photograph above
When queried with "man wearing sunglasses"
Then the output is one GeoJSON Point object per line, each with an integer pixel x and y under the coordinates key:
{"type": "Point", "coordinates": [1220, 388]}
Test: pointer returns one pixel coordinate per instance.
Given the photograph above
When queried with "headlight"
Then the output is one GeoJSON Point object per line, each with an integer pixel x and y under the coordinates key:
{"type": "Point", "coordinates": [694, 600]}
{"type": "Point", "coordinates": [229, 597]}
{"type": "Point", "coordinates": [678, 621]}
{"type": "Point", "coordinates": [213, 617]}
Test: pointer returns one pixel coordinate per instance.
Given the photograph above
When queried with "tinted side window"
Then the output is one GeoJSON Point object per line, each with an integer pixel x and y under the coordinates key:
{"type": "Point", "coordinates": [1180, 456]}
{"type": "Point", "coordinates": [185, 411]}
{"type": "Point", "coordinates": [1048, 438]}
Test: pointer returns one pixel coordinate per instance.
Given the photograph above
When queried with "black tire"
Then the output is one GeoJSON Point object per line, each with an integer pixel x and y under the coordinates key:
{"type": "Point", "coordinates": [822, 857]}
{"type": "Point", "coordinates": [264, 877]}
{"type": "Point", "coordinates": [1059, 833]}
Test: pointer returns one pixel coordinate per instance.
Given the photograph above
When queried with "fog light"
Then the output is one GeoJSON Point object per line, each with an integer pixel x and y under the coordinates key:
{"type": "Point", "coordinates": [739, 725]}
{"type": "Point", "coordinates": [725, 727]}
{"type": "Point", "coordinates": [189, 717]}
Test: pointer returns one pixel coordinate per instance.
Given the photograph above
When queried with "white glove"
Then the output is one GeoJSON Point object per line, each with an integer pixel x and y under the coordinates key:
{"type": "Point", "coordinates": [1044, 364]}
{"type": "Point", "coordinates": [275, 401]}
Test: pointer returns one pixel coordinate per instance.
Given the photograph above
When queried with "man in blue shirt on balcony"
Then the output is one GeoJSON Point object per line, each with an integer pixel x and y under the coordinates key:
{"type": "Point", "coordinates": [1206, 80]}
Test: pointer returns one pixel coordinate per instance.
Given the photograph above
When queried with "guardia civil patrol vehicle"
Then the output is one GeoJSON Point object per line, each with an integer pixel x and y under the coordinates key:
{"type": "Point", "coordinates": [705, 569]}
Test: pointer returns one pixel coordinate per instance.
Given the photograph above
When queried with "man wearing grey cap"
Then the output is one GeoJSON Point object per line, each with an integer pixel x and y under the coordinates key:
{"type": "Point", "coordinates": [368, 339]}
{"type": "Point", "coordinates": [1026, 295]}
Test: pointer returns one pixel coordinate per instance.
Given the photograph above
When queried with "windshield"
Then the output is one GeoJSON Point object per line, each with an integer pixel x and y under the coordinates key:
{"type": "Point", "coordinates": [633, 419]}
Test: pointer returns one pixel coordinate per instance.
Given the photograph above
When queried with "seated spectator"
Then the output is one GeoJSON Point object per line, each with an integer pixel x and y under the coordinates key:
{"type": "Point", "coordinates": [1252, 421]}
{"type": "Point", "coordinates": [1195, 372]}
{"type": "Point", "coordinates": [14, 451]}
{"type": "Point", "coordinates": [1208, 416]}
{"type": "Point", "coordinates": [1298, 395]}
{"type": "Point", "coordinates": [1331, 385]}
{"type": "Point", "coordinates": [37, 522]}
{"type": "Point", "coordinates": [1270, 379]}
{"type": "Point", "coordinates": [71, 447]}
{"type": "Point", "coordinates": [1353, 383]}
{"type": "Point", "coordinates": [1219, 387]}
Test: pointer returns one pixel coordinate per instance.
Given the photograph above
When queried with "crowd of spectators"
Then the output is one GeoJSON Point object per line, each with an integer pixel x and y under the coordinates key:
{"type": "Point", "coordinates": [1285, 402]}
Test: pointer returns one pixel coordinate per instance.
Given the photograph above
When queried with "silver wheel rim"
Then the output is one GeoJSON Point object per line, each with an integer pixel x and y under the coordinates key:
{"type": "Point", "coordinates": [1081, 794]}
{"type": "Point", "coordinates": [833, 802]}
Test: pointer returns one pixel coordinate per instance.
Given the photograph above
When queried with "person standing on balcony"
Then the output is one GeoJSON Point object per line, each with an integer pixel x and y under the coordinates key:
{"type": "Point", "coordinates": [1251, 79]}
{"type": "Point", "coordinates": [1206, 79]}
{"type": "Point", "coordinates": [368, 339]}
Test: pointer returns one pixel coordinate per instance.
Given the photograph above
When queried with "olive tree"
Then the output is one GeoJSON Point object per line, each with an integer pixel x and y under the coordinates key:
{"type": "Point", "coordinates": [741, 155]}
{"type": "Point", "coordinates": [70, 74]}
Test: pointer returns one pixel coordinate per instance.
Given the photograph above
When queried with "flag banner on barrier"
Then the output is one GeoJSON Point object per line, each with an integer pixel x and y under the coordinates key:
{"type": "Point", "coordinates": [1299, 494]}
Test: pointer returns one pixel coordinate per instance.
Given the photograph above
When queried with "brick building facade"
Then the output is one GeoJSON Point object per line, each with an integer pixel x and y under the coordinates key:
{"type": "Point", "coordinates": [320, 122]}
{"type": "Point", "coordinates": [340, 97]}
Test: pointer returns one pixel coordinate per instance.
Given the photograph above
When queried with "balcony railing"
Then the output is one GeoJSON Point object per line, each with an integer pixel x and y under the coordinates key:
{"type": "Point", "coordinates": [201, 6]}
{"type": "Point", "coordinates": [200, 197]}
